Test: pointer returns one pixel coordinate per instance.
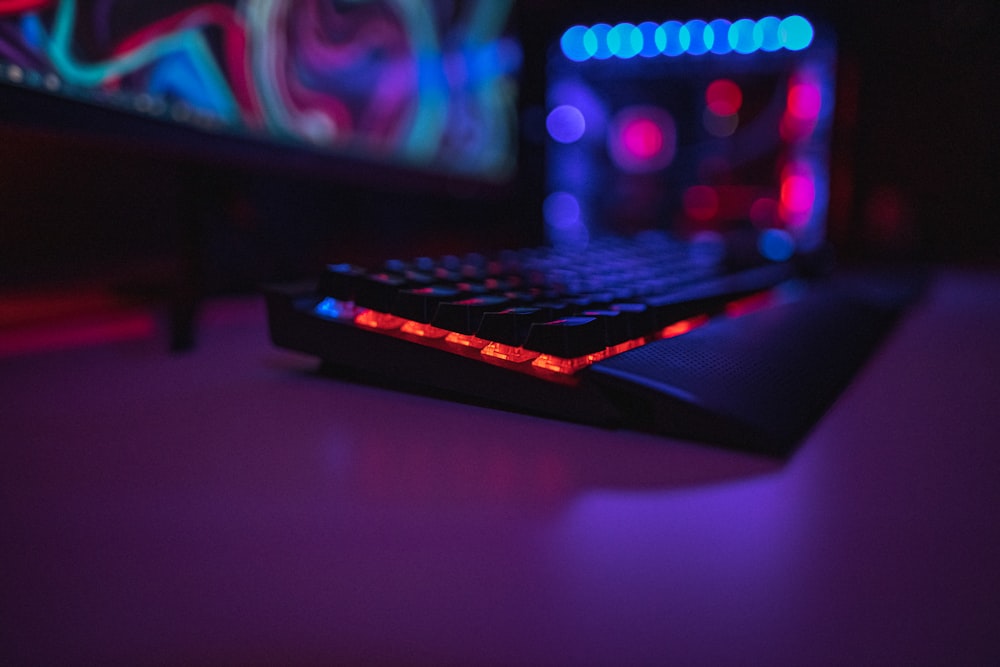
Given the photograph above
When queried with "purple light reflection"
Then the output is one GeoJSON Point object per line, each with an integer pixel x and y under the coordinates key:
{"type": "Point", "coordinates": [683, 567]}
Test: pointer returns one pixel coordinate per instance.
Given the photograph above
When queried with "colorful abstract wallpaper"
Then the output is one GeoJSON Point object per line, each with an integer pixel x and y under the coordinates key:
{"type": "Point", "coordinates": [427, 84]}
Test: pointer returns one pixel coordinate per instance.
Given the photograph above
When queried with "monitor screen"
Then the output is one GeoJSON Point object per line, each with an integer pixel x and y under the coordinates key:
{"type": "Point", "coordinates": [427, 86]}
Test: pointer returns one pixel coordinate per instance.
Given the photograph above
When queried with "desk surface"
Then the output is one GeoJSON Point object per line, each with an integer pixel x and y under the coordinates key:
{"type": "Point", "coordinates": [229, 507]}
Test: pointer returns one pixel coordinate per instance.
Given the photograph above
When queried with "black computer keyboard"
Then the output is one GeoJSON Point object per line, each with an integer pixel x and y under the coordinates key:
{"type": "Point", "coordinates": [647, 332]}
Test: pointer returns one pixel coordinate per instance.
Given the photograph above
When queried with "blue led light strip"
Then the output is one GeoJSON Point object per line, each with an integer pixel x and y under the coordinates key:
{"type": "Point", "coordinates": [695, 37]}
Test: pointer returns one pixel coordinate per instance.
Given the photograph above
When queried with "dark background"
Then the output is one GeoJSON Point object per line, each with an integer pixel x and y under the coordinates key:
{"type": "Point", "coordinates": [914, 177]}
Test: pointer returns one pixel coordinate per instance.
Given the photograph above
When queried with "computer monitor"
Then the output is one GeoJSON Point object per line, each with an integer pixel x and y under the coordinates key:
{"type": "Point", "coordinates": [256, 139]}
{"type": "Point", "coordinates": [425, 87]}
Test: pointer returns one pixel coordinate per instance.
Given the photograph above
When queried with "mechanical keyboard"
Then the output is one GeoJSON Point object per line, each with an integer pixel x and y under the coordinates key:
{"type": "Point", "coordinates": [648, 333]}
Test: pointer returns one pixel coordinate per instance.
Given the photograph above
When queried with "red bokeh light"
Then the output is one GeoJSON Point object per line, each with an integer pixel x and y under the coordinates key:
{"type": "Point", "coordinates": [798, 192]}
{"type": "Point", "coordinates": [701, 203]}
{"type": "Point", "coordinates": [724, 97]}
{"type": "Point", "coordinates": [643, 138]}
{"type": "Point", "coordinates": [805, 101]}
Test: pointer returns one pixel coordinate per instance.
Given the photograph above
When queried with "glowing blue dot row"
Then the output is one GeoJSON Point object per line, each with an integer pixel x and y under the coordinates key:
{"type": "Point", "coordinates": [694, 37]}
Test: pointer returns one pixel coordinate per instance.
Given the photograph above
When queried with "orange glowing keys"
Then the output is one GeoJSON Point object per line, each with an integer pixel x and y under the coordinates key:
{"type": "Point", "coordinates": [567, 366]}
{"type": "Point", "coordinates": [467, 340]}
{"type": "Point", "coordinates": [509, 353]}
{"type": "Point", "coordinates": [376, 320]}
{"type": "Point", "coordinates": [556, 364]}
{"type": "Point", "coordinates": [423, 330]}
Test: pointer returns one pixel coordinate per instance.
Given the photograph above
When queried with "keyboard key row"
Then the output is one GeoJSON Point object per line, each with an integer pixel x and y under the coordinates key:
{"type": "Point", "coordinates": [540, 320]}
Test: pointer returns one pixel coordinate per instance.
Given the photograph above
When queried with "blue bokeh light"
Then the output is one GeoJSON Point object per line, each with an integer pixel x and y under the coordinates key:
{"type": "Point", "coordinates": [795, 33]}
{"type": "Point", "coordinates": [598, 34]}
{"type": "Point", "coordinates": [720, 36]}
{"type": "Point", "coordinates": [566, 124]}
{"type": "Point", "coordinates": [743, 37]}
{"type": "Point", "coordinates": [700, 37]}
{"type": "Point", "coordinates": [561, 210]}
{"type": "Point", "coordinates": [776, 245]}
{"type": "Point", "coordinates": [572, 44]}
{"type": "Point", "coordinates": [650, 47]}
{"type": "Point", "coordinates": [625, 41]}
{"type": "Point", "coordinates": [672, 39]}
{"type": "Point", "coordinates": [766, 33]}
{"type": "Point", "coordinates": [564, 221]}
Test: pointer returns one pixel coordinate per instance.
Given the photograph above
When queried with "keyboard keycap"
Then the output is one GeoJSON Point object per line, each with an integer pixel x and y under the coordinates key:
{"type": "Point", "coordinates": [639, 320]}
{"type": "Point", "coordinates": [615, 325]}
{"type": "Point", "coordinates": [420, 305]}
{"type": "Point", "coordinates": [378, 291]}
{"type": "Point", "coordinates": [340, 281]}
{"type": "Point", "coordinates": [464, 316]}
{"type": "Point", "coordinates": [568, 338]}
{"type": "Point", "coordinates": [510, 326]}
